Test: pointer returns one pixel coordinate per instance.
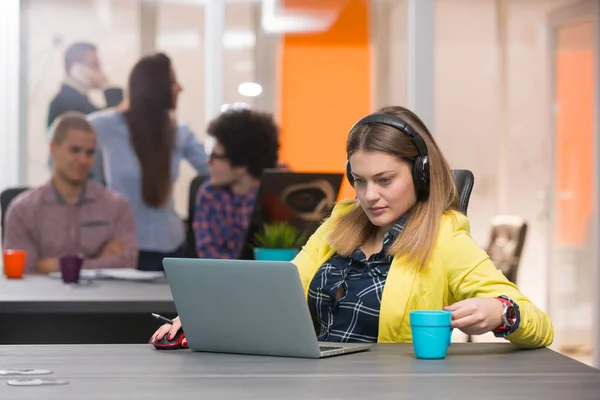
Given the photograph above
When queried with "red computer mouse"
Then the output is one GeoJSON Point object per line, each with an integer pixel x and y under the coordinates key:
{"type": "Point", "coordinates": [171, 344]}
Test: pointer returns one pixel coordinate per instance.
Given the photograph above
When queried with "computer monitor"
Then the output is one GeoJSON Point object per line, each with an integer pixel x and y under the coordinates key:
{"type": "Point", "coordinates": [302, 199]}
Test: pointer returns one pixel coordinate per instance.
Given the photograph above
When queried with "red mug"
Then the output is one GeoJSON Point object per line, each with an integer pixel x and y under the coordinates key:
{"type": "Point", "coordinates": [14, 263]}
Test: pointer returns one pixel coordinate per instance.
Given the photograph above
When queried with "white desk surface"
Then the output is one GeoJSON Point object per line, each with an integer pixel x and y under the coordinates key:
{"type": "Point", "coordinates": [38, 293]}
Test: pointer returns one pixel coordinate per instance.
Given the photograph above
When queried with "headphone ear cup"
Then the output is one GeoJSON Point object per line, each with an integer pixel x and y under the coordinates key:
{"type": "Point", "coordinates": [349, 173]}
{"type": "Point", "coordinates": [420, 172]}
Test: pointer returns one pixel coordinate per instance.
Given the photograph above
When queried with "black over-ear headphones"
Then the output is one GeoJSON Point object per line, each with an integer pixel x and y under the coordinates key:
{"type": "Point", "coordinates": [420, 167]}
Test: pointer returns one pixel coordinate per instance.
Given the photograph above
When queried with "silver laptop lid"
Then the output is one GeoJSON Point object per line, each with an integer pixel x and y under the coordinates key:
{"type": "Point", "coordinates": [244, 307]}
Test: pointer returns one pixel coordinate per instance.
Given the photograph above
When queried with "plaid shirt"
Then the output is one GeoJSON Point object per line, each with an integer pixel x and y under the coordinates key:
{"type": "Point", "coordinates": [220, 221]}
{"type": "Point", "coordinates": [355, 316]}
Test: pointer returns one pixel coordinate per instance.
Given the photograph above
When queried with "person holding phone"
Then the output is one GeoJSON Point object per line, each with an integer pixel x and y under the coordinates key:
{"type": "Point", "coordinates": [84, 73]}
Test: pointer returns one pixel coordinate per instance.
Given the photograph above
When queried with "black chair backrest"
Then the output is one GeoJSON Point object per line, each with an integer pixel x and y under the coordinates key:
{"type": "Point", "coordinates": [190, 246]}
{"type": "Point", "coordinates": [464, 180]}
{"type": "Point", "coordinates": [507, 240]}
{"type": "Point", "coordinates": [6, 197]}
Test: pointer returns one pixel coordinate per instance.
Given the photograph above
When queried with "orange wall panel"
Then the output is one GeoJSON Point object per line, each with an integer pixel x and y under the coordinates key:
{"type": "Point", "coordinates": [574, 144]}
{"type": "Point", "coordinates": [325, 88]}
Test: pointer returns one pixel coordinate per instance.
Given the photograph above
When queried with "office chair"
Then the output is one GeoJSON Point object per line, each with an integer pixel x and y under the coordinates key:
{"type": "Point", "coordinates": [464, 180]}
{"type": "Point", "coordinates": [507, 240]}
{"type": "Point", "coordinates": [190, 242]}
{"type": "Point", "coordinates": [6, 197]}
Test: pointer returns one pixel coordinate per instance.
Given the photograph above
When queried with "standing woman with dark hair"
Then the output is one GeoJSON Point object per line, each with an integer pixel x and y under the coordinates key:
{"type": "Point", "coordinates": [141, 146]}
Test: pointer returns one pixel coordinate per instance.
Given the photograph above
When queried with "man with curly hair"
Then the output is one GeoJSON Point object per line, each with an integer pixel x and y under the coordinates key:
{"type": "Point", "coordinates": [245, 143]}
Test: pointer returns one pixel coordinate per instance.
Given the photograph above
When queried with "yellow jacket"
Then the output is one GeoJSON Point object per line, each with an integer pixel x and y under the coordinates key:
{"type": "Point", "coordinates": [457, 269]}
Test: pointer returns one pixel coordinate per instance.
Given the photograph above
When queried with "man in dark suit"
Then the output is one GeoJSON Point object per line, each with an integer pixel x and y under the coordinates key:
{"type": "Point", "coordinates": [84, 73]}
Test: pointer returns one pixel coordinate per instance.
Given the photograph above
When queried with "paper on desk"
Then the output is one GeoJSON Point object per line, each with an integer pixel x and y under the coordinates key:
{"type": "Point", "coordinates": [85, 274]}
{"type": "Point", "coordinates": [128, 274]}
{"type": "Point", "coordinates": [131, 274]}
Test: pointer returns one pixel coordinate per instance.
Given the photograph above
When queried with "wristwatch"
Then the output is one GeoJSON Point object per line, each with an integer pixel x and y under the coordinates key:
{"type": "Point", "coordinates": [511, 316]}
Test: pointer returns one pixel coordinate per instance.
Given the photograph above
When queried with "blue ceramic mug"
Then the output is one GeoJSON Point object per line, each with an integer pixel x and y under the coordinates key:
{"type": "Point", "coordinates": [431, 333]}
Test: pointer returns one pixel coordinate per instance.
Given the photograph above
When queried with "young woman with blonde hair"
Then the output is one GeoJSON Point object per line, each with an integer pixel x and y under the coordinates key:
{"type": "Point", "coordinates": [401, 245]}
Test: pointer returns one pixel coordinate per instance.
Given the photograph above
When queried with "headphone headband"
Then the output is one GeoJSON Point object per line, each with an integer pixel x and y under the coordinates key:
{"type": "Point", "coordinates": [399, 124]}
{"type": "Point", "coordinates": [420, 166]}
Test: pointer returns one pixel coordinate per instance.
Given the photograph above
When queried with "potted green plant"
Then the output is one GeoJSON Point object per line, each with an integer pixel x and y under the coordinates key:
{"type": "Point", "coordinates": [279, 241]}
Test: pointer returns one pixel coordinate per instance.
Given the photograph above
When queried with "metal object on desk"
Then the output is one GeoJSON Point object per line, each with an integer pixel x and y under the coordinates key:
{"type": "Point", "coordinates": [36, 382]}
{"type": "Point", "coordinates": [25, 371]}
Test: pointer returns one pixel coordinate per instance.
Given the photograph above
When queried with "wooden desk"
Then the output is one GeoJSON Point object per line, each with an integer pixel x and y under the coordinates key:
{"type": "Point", "coordinates": [471, 371]}
{"type": "Point", "coordinates": [46, 311]}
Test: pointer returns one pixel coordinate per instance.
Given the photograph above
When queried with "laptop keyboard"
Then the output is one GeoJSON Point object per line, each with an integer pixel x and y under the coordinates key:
{"type": "Point", "coordinates": [327, 348]}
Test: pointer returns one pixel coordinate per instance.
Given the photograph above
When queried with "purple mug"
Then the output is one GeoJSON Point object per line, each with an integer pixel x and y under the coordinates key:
{"type": "Point", "coordinates": [70, 267]}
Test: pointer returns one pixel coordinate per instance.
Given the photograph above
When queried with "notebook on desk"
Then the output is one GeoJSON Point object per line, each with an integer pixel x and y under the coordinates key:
{"type": "Point", "coordinates": [246, 307]}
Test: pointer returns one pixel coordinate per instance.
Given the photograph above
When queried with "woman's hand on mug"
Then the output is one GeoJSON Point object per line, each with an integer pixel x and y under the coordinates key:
{"type": "Point", "coordinates": [167, 329]}
{"type": "Point", "coordinates": [476, 316]}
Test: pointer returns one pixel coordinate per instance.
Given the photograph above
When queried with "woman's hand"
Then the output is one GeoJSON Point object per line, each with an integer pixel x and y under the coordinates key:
{"type": "Point", "coordinates": [167, 329]}
{"type": "Point", "coordinates": [476, 316]}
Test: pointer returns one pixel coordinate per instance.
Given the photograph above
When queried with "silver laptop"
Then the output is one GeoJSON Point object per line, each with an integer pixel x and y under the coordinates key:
{"type": "Point", "coordinates": [246, 307]}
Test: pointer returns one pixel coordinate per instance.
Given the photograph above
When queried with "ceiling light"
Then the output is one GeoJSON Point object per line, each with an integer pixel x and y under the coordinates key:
{"type": "Point", "coordinates": [250, 89]}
